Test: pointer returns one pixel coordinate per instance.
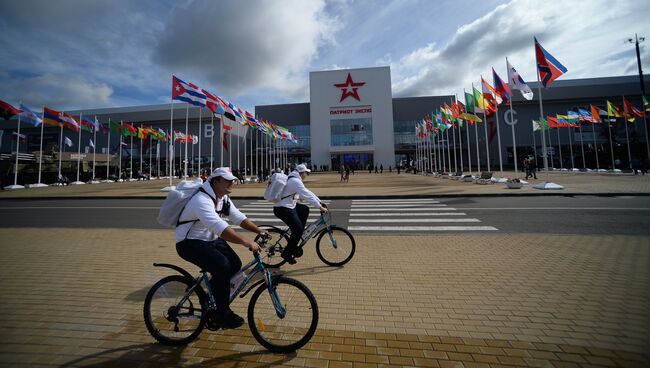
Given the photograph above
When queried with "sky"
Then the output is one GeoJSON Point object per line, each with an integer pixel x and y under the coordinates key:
{"type": "Point", "coordinates": [83, 54]}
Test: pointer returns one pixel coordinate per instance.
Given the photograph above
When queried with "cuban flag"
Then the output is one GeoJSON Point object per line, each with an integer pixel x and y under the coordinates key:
{"type": "Point", "coordinates": [517, 82]}
{"type": "Point", "coordinates": [187, 92]}
{"type": "Point", "coordinates": [30, 116]}
{"type": "Point", "coordinates": [548, 67]}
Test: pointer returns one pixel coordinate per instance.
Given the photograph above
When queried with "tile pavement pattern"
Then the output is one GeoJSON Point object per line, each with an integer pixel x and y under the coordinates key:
{"type": "Point", "coordinates": [73, 297]}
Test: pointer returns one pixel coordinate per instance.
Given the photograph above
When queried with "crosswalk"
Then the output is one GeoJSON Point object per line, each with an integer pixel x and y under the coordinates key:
{"type": "Point", "coordinates": [409, 215]}
{"type": "Point", "coordinates": [381, 216]}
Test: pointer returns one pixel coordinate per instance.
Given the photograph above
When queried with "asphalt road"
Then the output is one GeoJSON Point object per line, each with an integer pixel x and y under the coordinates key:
{"type": "Point", "coordinates": [548, 214]}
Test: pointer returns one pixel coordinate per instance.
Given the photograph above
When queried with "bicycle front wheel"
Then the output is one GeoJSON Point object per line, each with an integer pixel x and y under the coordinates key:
{"type": "Point", "coordinates": [288, 332]}
{"type": "Point", "coordinates": [336, 246]}
{"type": "Point", "coordinates": [167, 319]}
{"type": "Point", "coordinates": [271, 255]}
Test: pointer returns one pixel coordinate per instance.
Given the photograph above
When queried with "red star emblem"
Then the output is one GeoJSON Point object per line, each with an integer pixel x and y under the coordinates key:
{"type": "Point", "coordinates": [347, 86]}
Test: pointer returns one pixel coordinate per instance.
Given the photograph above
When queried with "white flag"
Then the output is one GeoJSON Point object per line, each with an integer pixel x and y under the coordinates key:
{"type": "Point", "coordinates": [195, 139]}
{"type": "Point", "coordinates": [517, 82]}
{"type": "Point", "coordinates": [92, 144]}
{"type": "Point", "coordinates": [68, 142]}
{"type": "Point", "coordinates": [536, 126]}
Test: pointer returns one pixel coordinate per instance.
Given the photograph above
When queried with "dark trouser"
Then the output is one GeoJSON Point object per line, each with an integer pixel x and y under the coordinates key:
{"type": "Point", "coordinates": [217, 258]}
{"type": "Point", "coordinates": [296, 219]}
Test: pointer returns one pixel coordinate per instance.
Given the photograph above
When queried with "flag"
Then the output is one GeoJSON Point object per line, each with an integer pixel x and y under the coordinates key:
{"type": "Point", "coordinates": [630, 111]}
{"type": "Point", "coordinates": [52, 117]}
{"type": "Point", "coordinates": [115, 127]}
{"type": "Point", "coordinates": [517, 82]}
{"type": "Point", "coordinates": [179, 136]}
{"type": "Point", "coordinates": [102, 128]}
{"type": "Point", "coordinates": [490, 95]}
{"type": "Point", "coordinates": [552, 122]}
{"type": "Point", "coordinates": [225, 106]}
{"type": "Point", "coordinates": [143, 133]}
{"type": "Point", "coordinates": [22, 137]}
{"type": "Point", "coordinates": [195, 139]}
{"type": "Point", "coordinates": [471, 118]}
{"type": "Point", "coordinates": [129, 130]}
{"type": "Point", "coordinates": [596, 113]}
{"type": "Point", "coordinates": [211, 102]}
{"type": "Point", "coordinates": [501, 88]}
{"type": "Point", "coordinates": [92, 144]}
{"type": "Point", "coordinates": [480, 105]}
{"type": "Point", "coordinates": [585, 115]}
{"type": "Point", "coordinates": [87, 124]}
{"type": "Point", "coordinates": [70, 122]}
{"type": "Point", "coordinates": [7, 111]}
{"type": "Point", "coordinates": [187, 92]}
{"type": "Point", "coordinates": [613, 110]}
{"type": "Point", "coordinates": [67, 142]}
{"type": "Point", "coordinates": [469, 102]}
{"type": "Point", "coordinates": [226, 127]}
{"type": "Point", "coordinates": [548, 67]}
{"type": "Point", "coordinates": [646, 104]}
{"type": "Point", "coordinates": [225, 141]}
{"type": "Point", "coordinates": [539, 125]}
{"type": "Point", "coordinates": [30, 117]}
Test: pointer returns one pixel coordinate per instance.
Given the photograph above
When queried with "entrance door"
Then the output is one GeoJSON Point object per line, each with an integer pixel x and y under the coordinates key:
{"type": "Point", "coordinates": [356, 161]}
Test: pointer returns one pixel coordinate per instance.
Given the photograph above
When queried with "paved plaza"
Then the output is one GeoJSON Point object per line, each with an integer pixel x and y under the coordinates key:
{"type": "Point", "coordinates": [73, 297]}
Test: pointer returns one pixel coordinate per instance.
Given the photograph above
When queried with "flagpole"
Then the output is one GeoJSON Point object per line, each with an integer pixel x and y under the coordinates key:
{"type": "Point", "coordinates": [200, 138]}
{"type": "Point", "coordinates": [611, 145]}
{"type": "Point", "coordinates": [593, 133]}
{"type": "Point", "coordinates": [170, 147]}
{"type": "Point", "coordinates": [627, 136]}
{"type": "Point", "coordinates": [212, 143]}
{"type": "Point", "coordinates": [582, 145]}
{"type": "Point", "coordinates": [570, 133]}
{"type": "Point", "coordinates": [94, 147]}
{"type": "Point", "coordinates": [487, 147]}
{"type": "Point", "coordinates": [230, 149]}
{"type": "Point", "coordinates": [131, 158]}
{"type": "Point", "coordinates": [541, 116]}
{"type": "Point", "coordinates": [119, 166]}
{"type": "Point", "coordinates": [150, 149]}
{"type": "Point", "coordinates": [221, 139]}
{"type": "Point", "coordinates": [191, 156]}
{"type": "Point", "coordinates": [257, 153]}
{"type": "Point", "coordinates": [40, 160]}
{"type": "Point", "coordinates": [187, 118]}
{"type": "Point", "coordinates": [16, 186]}
{"type": "Point", "coordinates": [245, 163]}
{"type": "Point", "coordinates": [469, 147]}
{"type": "Point", "coordinates": [108, 151]}
{"type": "Point", "coordinates": [79, 149]}
{"type": "Point", "coordinates": [60, 150]}
{"type": "Point", "coordinates": [142, 140]}
{"type": "Point", "coordinates": [559, 146]}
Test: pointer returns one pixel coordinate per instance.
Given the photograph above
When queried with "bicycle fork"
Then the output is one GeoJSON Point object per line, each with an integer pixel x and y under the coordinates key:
{"type": "Point", "coordinates": [280, 310]}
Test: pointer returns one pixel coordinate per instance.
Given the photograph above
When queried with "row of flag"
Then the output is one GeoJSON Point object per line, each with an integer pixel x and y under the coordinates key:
{"type": "Point", "coordinates": [196, 96]}
{"type": "Point", "coordinates": [490, 97]}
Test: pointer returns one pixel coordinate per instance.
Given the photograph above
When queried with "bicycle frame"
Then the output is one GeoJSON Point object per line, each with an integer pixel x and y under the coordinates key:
{"type": "Point", "coordinates": [257, 266]}
{"type": "Point", "coordinates": [320, 224]}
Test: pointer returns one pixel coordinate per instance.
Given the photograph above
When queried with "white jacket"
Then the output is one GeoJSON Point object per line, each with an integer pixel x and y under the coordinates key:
{"type": "Point", "coordinates": [210, 225]}
{"type": "Point", "coordinates": [296, 189]}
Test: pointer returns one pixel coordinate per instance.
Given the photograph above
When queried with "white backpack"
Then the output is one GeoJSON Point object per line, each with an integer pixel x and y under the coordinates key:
{"type": "Point", "coordinates": [275, 187]}
{"type": "Point", "coordinates": [176, 200]}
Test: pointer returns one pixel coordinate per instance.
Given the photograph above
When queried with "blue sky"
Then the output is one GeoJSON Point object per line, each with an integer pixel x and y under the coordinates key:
{"type": "Point", "coordinates": [76, 54]}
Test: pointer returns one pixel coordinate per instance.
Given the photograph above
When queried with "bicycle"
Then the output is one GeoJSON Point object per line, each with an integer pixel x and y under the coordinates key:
{"type": "Point", "coordinates": [335, 245]}
{"type": "Point", "coordinates": [282, 320]}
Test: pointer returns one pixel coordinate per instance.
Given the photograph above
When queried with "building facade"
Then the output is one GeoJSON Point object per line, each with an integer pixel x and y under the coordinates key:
{"type": "Point", "coordinates": [352, 119]}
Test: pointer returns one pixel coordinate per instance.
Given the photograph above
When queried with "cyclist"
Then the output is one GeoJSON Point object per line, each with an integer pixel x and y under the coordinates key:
{"type": "Point", "coordinates": [202, 236]}
{"type": "Point", "coordinates": [294, 214]}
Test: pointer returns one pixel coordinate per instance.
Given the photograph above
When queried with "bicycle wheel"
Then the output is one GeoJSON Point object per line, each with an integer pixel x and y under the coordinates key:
{"type": "Point", "coordinates": [169, 322]}
{"type": "Point", "coordinates": [295, 328]}
{"type": "Point", "coordinates": [278, 242]}
{"type": "Point", "coordinates": [344, 250]}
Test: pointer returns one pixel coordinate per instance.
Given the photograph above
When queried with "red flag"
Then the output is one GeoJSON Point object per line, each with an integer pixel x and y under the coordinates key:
{"type": "Point", "coordinates": [501, 88]}
{"type": "Point", "coordinates": [548, 67]}
{"type": "Point", "coordinates": [595, 114]}
{"type": "Point", "coordinates": [7, 111]}
{"type": "Point", "coordinates": [225, 141]}
{"type": "Point", "coordinates": [70, 122]}
{"type": "Point", "coordinates": [552, 122]}
{"type": "Point", "coordinates": [631, 112]}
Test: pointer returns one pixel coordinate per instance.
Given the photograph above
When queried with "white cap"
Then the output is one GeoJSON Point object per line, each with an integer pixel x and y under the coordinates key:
{"type": "Point", "coordinates": [224, 172]}
{"type": "Point", "coordinates": [302, 168]}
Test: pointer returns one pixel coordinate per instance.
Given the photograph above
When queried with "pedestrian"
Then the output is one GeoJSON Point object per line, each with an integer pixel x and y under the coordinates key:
{"type": "Point", "coordinates": [390, 169]}
{"type": "Point", "coordinates": [381, 168]}
{"type": "Point", "coordinates": [342, 171]}
{"type": "Point", "coordinates": [202, 238]}
{"type": "Point", "coordinates": [347, 173]}
{"type": "Point", "coordinates": [398, 169]}
{"type": "Point", "coordinates": [376, 171]}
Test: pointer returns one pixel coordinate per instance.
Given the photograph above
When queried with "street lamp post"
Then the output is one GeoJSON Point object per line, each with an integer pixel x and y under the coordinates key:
{"type": "Point", "coordinates": [636, 42]}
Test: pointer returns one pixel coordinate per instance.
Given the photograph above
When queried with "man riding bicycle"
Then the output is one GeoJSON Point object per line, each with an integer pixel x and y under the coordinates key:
{"type": "Point", "coordinates": [202, 236]}
{"type": "Point", "coordinates": [294, 214]}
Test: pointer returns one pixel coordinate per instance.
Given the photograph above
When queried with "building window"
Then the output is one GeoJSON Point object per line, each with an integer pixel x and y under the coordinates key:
{"type": "Point", "coordinates": [351, 132]}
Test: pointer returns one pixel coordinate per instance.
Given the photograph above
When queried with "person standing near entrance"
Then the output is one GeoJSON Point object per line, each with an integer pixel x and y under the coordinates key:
{"type": "Point", "coordinates": [294, 214]}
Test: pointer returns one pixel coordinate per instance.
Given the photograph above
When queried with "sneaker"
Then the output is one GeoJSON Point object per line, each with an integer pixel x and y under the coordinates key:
{"type": "Point", "coordinates": [297, 253]}
{"type": "Point", "coordinates": [230, 320]}
{"type": "Point", "coordinates": [288, 256]}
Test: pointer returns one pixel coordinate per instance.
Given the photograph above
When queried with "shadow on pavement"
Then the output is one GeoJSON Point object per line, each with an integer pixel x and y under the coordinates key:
{"type": "Point", "coordinates": [166, 356]}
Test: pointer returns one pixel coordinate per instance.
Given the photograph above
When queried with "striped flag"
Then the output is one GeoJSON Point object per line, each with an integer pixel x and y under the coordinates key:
{"type": "Point", "coordinates": [30, 117]}
{"type": "Point", "coordinates": [187, 92]}
{"type": "Point", "coordinates": [548, 67]}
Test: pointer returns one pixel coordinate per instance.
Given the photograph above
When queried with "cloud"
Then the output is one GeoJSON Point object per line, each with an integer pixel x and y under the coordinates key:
{"type": "Point", "coordinates": [57, 91]}
{"type": "Point", "coordinates": [238, 46]}
{"type": "Point", "coordinates": [587, 37]}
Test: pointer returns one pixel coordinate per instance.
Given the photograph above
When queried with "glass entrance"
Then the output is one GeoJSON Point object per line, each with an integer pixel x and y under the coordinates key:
{"type": "Point", "coordinates": [356, 161]}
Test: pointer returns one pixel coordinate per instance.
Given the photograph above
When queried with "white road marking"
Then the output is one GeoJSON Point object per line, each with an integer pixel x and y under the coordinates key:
{"type": "Point", "coordinates": [411, 214]}
{"type": "Point", "coordinates": [416, 220]}
{"type": "Point", "coordinates": [422, 228]}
